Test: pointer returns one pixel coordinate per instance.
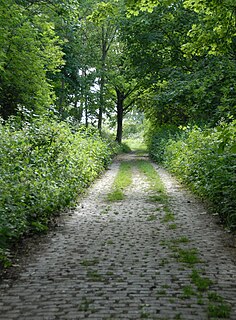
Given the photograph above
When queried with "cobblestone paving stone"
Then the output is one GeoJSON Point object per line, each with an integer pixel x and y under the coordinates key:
{"type": "Point", "coordinates": [108, 261]}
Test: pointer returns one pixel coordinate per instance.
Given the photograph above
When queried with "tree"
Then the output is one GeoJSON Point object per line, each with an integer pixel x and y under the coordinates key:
{"type": "Point", "coordinates": [214, 31]}
{"type": "Point", "coordinates": [29, 50]}
{"type": "Point", "coordinates": [78, 75]}
{"type": "Point", "coordinates": [126, 96]}
{"type": "Point", "coordinates": [213, 36]}
{"type": "Point", "coordinates": [105, 17]}
{"type": "Point", "coordinates": [153, 43]}
{"type": "Point", "coordinates": [84, 76]}
{"type": "Point", "coordinates": [182, 84]}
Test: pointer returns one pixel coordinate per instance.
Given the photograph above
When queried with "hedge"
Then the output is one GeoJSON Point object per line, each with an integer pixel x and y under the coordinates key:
{"type": "Point", "coordinates": [43, 167]}
{"type": "Point", "coordinates": [205, 159]}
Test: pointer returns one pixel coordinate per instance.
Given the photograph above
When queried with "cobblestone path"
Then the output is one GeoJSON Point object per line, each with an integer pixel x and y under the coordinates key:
{"type": "Point", "coordinates": [110, 261]}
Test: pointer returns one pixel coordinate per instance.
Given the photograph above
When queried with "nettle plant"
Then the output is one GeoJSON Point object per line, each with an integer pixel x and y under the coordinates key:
{"type": "Point", "coordinates": [205, 159]}
{"type": "Point", "coordinates": [51, 166]}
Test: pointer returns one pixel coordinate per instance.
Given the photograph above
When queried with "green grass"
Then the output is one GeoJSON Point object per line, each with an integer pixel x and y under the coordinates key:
{"type": "Point", "coordinates": [152, 217]}
{"type": "Point", "coordinates": [214, 297]}
{"type": "Point", "coordinates": [159, 192]}
{"type": "Point", "coordinates": [188, 292]}
{"type": "Point", "coordinates": [218, 311]}
{"type": "Point", "coordinates": [94, 276]}
{"type": "Point", "coordinates": [116, 195]}
{"type": "Point", "coordinates": [156, 198]}
{"type": "Point", "coordinates": [144, 315]}
{"type": "Point", "coordinates": [85, 304]}
{"type": "Point", "coordinates": [161, 292]}
{"type": "Point", "coordinates": [182, 239]}
{"type": "Point", "coordinates": [155, 181]}
{"type": "Point", "coordinates": [217, 308]}
{"type": "Point", "coordinates": [202, 283]}
{"type": "Point", "coordinates": [178, 316]}
{"type": "Point", "coordinates": [156, 185]}
{"type": "Point", "coordinates": [124, 176]}
{"type": "Point", "coordinates": [188, 256]}
{"type": "Point", "coordinates": [137, 146]}
{"type": "Point", "coordinates": [88, 263]}
{"type": "Point", "coordinates": [123, 180]}
{"type": "Point", "coordinates": [172, 226]}
{"type": "Point", "coordinates": [168, 217]}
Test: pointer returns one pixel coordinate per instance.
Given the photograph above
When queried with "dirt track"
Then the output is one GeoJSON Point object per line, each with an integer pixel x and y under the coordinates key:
{"type": "Point", "coordinates": [109, 261]}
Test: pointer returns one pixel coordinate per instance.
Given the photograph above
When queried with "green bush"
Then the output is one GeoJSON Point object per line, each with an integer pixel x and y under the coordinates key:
{"type": "Point", "coordinates": [43, 167]}
{"type": "Point", "coordinates": [206, 160]}
{"type": "Point", "coordinates": [157, 138]}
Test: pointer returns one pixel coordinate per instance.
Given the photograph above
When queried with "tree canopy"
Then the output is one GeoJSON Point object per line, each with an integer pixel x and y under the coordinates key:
{"type": "Point", "coordinates": [174, 59]}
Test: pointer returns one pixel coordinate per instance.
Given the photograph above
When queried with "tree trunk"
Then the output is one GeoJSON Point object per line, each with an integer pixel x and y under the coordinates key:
{"type": "Point", "coordinates": [101, 103]}
{"type": "Point", "coordinates": [86, 111]}
{"type": "Point", "coordinates": [102, 79]}
{"type": "Point", "coordinates": [78, 110]}
{"type": "Point", "coordinates": [120, 114]}
{"type": "Point", "coordinates": [62, 96]}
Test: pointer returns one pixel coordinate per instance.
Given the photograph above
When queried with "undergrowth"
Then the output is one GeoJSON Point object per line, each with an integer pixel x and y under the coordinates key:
{"type": "Point", "coordinates": [44, 165]}
{"type": "Point", "coordinates": [205, 159]}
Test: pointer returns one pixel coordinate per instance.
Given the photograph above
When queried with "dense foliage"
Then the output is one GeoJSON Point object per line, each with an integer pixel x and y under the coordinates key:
{"type": "Point", "coordinates": [171, 50]}
{"type": "Point", "coordinates": [30, 49]}
{"type": "Point", "coordinates": [43, 167]}
{"type": "Point", "coordinates": [205, 159]}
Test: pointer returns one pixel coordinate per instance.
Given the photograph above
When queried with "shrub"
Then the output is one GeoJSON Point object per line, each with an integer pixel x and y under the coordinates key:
{"type": "Point", "coordinates": [43, 168]}
{"type": "Point", "coordinates": [157, 139]}
{"type": "Point", "coordinates": [206, 160]}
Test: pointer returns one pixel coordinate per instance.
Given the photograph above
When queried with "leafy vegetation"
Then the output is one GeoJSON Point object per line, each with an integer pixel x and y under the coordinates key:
{"type": "Point", "coordinates": [202, 283]}
{"type": "Point", "coordinates": [205, 160]}
{"type": "Point", "coordinates": [44, 166]}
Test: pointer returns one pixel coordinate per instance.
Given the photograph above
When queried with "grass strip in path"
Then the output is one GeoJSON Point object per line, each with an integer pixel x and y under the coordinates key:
{"type": "Point", "coordinates": [157, 186]}
{"type": "Point", "coordinates": [123, 180]}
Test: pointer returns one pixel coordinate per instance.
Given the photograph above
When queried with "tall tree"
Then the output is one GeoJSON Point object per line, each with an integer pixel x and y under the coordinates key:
{"type": "Point", "coordinates": [78, 74]}
{"type": "Point", "coordinates": [185, 79]}
{"type": "Point", "coordinates": [153, 43]}
{"type": "Point", "coordinates": [105, 17]}
{"type": "Point", "coordinates": [213, 35]}
{"type": "Point", "coordinates": [30, 49]}
{"type": "Point", "coordinates": [214, 31]}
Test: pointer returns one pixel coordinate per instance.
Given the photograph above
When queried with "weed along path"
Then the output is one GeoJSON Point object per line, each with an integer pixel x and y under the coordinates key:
{"type": "Point", "coordinates": [137, 247]}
